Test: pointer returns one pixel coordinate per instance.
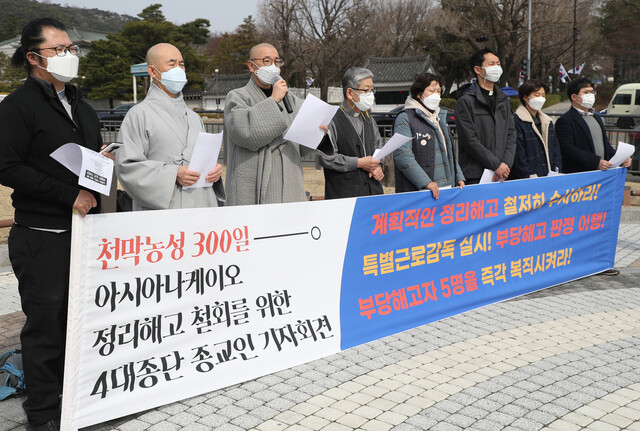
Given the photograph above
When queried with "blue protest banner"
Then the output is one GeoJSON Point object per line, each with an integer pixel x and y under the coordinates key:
{"type": "Point", "coordinates": [411, 259]}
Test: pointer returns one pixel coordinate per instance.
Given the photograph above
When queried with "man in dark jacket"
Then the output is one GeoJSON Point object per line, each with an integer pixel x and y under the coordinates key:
{"type": "Point", "coordinates": [36, 119]}
{"type": "Point", "coordinates": [484, 123]}
{"type": "Point", "coordinates": [583, 140]}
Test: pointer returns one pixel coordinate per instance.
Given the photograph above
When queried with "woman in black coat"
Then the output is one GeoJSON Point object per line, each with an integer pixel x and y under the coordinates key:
{"type": "Point", "coordinates": [537, 147]}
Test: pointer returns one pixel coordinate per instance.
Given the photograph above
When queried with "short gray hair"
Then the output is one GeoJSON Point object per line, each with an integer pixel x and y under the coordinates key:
{"type": "Point", "coordinates": [352, 78]}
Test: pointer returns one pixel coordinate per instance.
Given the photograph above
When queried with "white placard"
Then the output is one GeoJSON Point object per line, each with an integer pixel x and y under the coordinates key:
{"type": "Point", "coordinates": [396, 141]}
{"type": "Point", "coordinates": [305, 129]}
{"type": "Point", "coordinates": [623, 152]}
{"type": "Point", "coordinates": [94, 170]}
{"type": "Point", "coordinates": [487, 177]}
{"type": "Point", "coordinates": [205, 157]}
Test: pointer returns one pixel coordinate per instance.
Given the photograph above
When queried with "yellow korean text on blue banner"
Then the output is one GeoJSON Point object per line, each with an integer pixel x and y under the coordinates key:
{"type": "Point", "coordinates": [411, 259]}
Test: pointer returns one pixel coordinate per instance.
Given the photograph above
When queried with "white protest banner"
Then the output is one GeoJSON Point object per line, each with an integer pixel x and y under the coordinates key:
{"type": "Point", "coordinates": [166, 305]}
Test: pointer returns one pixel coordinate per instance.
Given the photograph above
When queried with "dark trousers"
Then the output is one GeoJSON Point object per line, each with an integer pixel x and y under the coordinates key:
{"type": "Point", "coordinates": [40, 261]}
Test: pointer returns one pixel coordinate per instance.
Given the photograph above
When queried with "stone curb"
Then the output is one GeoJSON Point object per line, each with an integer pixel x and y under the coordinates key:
{"type": "Point", "coordinates": [630, 215]}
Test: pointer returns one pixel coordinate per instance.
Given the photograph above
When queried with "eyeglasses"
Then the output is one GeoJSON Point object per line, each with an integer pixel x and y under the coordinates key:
{"type": "Point", "coordinates": [268, 61]}
{"type": "Point", "coordinates": [588, 92]}
{"type": "Point", "coordinates": [61, 50]}
{"type": "Point", "coordinates": [365, 90]}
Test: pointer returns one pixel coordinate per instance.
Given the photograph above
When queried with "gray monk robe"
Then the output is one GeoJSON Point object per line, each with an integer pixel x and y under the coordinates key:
{"type": "Point", "coordinates": [159, 135]}
{"type": "Point", "coordinates": [262, 167]}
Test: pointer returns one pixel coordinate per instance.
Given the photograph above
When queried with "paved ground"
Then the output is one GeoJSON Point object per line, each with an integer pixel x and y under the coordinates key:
{"type": "Point", "coordinates": [566, 358]}
{"type": "Point", "coordinates": [558, 108]}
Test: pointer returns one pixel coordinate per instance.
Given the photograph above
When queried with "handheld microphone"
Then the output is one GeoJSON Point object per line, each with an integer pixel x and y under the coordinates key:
{"type": "Point", "coordinates": [286, 101]}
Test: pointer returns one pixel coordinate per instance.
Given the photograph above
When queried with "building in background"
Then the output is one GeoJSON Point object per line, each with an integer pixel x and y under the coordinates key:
{"type": "Point", "coordinates": [393, 76]}
{"type": "Point", "coordinates": [79, 36]}
{"type": "Point", "coordinates": [215, 93]}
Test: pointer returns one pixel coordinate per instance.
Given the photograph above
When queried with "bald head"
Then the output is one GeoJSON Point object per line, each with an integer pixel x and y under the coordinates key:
{"type": "Point", "coordinates": [262, 50]}
{"type": "Point", "coordinates": [162, 53]}
{"type": "Point", "coordinates": [263, 54]}
{"type": "Point", "coordinates": [162, 58]}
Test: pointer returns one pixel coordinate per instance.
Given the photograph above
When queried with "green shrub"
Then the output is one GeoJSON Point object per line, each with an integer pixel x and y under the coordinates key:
{"type": "Point", "coordinates": [515, 102]}
{"type": "Point", "coordinates": [448, 104]}
{"type": "Point", "coordinates": [552, 99]}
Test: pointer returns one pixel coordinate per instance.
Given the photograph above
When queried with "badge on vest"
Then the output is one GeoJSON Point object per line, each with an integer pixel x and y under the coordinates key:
{"type": "Point", "coordinates": [423, 142]}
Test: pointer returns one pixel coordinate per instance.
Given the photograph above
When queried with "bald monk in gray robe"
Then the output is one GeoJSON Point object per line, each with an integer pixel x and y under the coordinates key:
{"type": "Point", "coordinates": [262, 167]}
{"type": "Point", "coordinates": [159, 137]}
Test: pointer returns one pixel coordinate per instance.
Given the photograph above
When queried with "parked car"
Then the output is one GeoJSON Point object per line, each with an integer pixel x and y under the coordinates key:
{"type": "Point", "coordinates": [625, 102]}
{"type": "Point", "coordinates": [385, 120]}
{"type": "Point", "coordinates": [115, 114]}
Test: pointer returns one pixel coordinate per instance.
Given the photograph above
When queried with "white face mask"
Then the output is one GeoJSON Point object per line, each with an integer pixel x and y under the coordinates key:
{"type": "Point", "coordinates": [431, 102]}
{"type": "Point", "coordinates": [588, 100]}
{"type": "Point", "coordinates": [173, 79]}
{"type": "Point", "coordinates": [366, 101]}
{"type": "Point", "coordinates": [63, 68]}
{"type": "Point", "coordinates": [493, 73]}
{"type": "Point", "coordinates": [268, 75]}
{"type": "Point", "coordinates": [536, 103]}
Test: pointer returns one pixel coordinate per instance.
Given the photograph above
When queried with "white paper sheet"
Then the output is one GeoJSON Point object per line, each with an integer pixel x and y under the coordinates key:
{"type": "Point", "coordinates": [396, 141]}
{"type": "Point", "coordinates": [205, 157]}
{"type": "Point", "coordinates": [487, 177]}
{"type": "Point", "coordinates": [305, 129]}
{"type": "Point", "coordinates": [623, 152]}
{"type": "Point", "coordinates": [94, 170]}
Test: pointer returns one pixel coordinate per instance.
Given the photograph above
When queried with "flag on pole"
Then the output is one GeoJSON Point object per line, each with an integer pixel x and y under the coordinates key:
{"type": "Point", "coordinates": [563, 74]}
{"type": "Point", "coordinates": [578, 69]}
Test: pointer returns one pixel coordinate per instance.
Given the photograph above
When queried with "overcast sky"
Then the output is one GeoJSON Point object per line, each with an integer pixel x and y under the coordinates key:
{"type": "Point", "coordinates": [224, 15]}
